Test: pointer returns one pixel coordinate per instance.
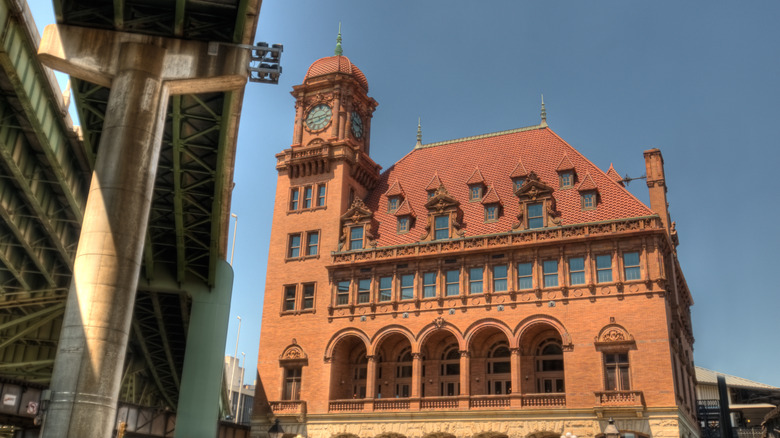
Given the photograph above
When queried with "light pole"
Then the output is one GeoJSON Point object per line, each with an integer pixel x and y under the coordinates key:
{"type": "Point", "coordinates": [240, 385]}
{"type": "Point", "coordinates": [233, 246]}
{"type": "Point", "coordinates": [235, 357]}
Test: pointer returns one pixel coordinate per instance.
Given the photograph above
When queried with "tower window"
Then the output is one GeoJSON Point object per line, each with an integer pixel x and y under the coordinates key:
{"type": "Point", "coordinates": [525, 276]}
{"type": "Point", "coordinates": [294, 248]}
{"type": "Point", "coordinates": [631, 266]}
{"type": "Point", "coordinates": [576, 270]}
{"type": "Point", "coordinates": [499, 278]}
{"type": "Point", "coordinates": [441, 225]}
{"type": "Point", "coordinates": [588, 200]}
{"type": "Point", "coordinates": [321, 195]}
{"type": "Point", "coordinates": [385, 288]}
{"type": "Point", "coordinates": [535, 217]}
{"type": "Point", "coordinates": [356, 238]}
{"type": "Point", "coordinates": [566, 179]}
{"type": "Point", "coordinates": [429, 285]}
{"type": "Point", "coordinates": [407, 286]}
{"type": "Point", "coordinates": [453, 282]}
{"type": "Point", "coordinates": [550, 271]}
{"type": "Point", "coordinates": [294, 199]}
{"type": "Point", "coordinates": [604, 268]}
{"type": "Point", "coordinates": [475, 280]}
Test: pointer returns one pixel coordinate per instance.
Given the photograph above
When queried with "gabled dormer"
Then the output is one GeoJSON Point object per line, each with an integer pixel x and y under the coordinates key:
{"type": "Point", "coordinates": [356, 226]}
{"type": "Point", "coordinates": [518, 176]}
{"type": "Point", "coordinates": [443, 211]}
{"type": "Point", "coordinates": [476, 183]}
{"type": "Point", "coordinates": [589, 194]}
{"type": "Point", "coordinates": [537, 205]}
{"type": "Point", "coordinates": [405, 217]}
{"type": "Point", "coordinates": [614, 175]}
{"type": "Point", "coordinates": [395, 196]}
{"type": "Point", "coordinates": [566, 173]}
{"type": "Point", "coordinates": [433, 186]}
{"type": "Point", "coordinates": [492, 204]}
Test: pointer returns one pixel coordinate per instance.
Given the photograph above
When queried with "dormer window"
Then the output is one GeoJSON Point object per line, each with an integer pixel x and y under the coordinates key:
{"type": "Point", "coordinates": [431, 193]}
{"type": "Point", "coordinates": [536, 215]}
{"type": "Point", "coordinates": [392, 203]}
{"type": "Point", "coordinates": [566, 179]}
{"type": "Point", "coordinates": [589, 195]}
{"type": "Point", "coordinates": [403, 225]}
{"type": "Point", "coordinates": [476, 183]}
{"type": "Point", "coordinates": [475, 192]}
{"type": "Point", "coordinates": [537, 205]}
{"type": "Point", "coordinates": [441, 227]}
{"type": "Point", "coordinates": [517, 183]}
{"type": "Point", "coordinates": [491, 213]}
{"type": "Point", "coordinates": [356, 238]}
{"type": "Point", "coordinates": [588, 200]}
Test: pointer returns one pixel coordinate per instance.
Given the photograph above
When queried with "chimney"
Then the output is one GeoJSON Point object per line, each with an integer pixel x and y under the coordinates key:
{"type": "Point", "coordinates": [656, 183]}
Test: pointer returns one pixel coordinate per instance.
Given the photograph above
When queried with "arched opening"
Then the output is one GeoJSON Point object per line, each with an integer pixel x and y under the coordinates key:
{"type": "Point", "coordinates": [542, 362]}
{"type": "Point", "coordinates": [349, 369]}
{"type": "Point", "coordinates": [490, 364]}
{"type": "Point", "coordinates": [440, 365]}
{"type": "Point", "coordinates": [394, 367]}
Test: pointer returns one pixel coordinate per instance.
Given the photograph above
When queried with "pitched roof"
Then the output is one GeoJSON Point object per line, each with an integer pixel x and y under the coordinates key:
{"type": "Point", "coordinates": [497, 155]}
{"type": "Point", "coordinates": [394, 190]}
{"type": "Point", "coordinates": [612, 173]}
{"type": "Point", "coordinates": [476, 177]}
{"type": "Point", "coordinates": [404, 209]}
{"type": "Point", "coordinates": [709, 377]}
{"type": "Point", "coordinates": [336, 64]}
{"type": "Point", "coordinates": [565, 164]}
{"type": "Point", "coordinates": [519, 170]}
{"type": "Point", "coordinates": [491, 197]}
{"type": "Point", "coordinates": [587, 184]}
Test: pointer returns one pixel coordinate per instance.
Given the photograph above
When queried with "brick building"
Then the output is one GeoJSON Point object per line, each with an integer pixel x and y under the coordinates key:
{"type": "Point", "coordinates": [500, 284]}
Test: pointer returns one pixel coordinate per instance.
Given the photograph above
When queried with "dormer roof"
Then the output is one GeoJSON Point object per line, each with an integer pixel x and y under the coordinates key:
{"type": "Point", "coordinates": [394, 190]}
{"type": "Point", "coordinates": [476, 177]}
{"type": "Point", "coordinates": [434, 184]}
{"type": "Point", "coordinates": [564, 164]}
{"type": "Point", "coordinates": [587, 184]}
{"type": "Point", "coordinates": [519, 171]}
{"type": "Point", "coordinates": [405, 209]}
{"type": "Point", "coordinates": [491, 197]}
{"type": "Point", "coordinates": [612, 173]}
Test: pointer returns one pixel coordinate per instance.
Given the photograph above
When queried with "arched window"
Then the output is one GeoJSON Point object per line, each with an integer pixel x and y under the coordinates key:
{"type": "Point", "coordinates": [450, 371]}
{"type": "Point", "coordinates": [360, 373]}
{"type": "Point", "coordinates": [403, 373]}
{"type": "Point", "coordinates": [499, 368]}
{"type": "Point", "coordinates": [549, 366]}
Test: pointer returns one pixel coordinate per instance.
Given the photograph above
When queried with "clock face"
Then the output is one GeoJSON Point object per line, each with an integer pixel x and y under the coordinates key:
{"type": "Point", "coordinates": [357, 125]}
{"type": "Point", "coordinates": [318, 117]}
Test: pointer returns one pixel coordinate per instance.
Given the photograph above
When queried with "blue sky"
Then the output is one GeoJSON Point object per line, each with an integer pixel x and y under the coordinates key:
{"type": "Point", "coordinates": [699, 80]}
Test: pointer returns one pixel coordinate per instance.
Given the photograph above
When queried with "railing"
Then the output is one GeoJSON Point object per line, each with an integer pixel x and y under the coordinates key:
{"type": "Point", "coordinates": [548, 400]}
{"type": "Point", "coordinates": [288, 407]}
{"type": "Point", "coordinates": [746, 432]}
{"type": "Point", "coordinates": [345, 405]}
{"type": "Point", "coordinates": [489, 401]}
{"type": "Point", "coordinates": [438, 403]}
{"type": "Point", "coordinates": [619, 398]}
{"type": "Point", "coordinates": [391, 405]}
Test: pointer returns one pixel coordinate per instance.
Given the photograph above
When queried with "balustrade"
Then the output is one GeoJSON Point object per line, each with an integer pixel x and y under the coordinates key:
{"type": "Point", "coordinates": [548, 400]}
{"type": "Point", "coordinates": [619, 398]}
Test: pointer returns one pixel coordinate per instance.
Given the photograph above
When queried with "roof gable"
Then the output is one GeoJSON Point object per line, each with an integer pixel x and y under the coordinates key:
{"type": "Point", "coordinates": [519, 171]}
{"type": "Point", "coordinates": [476, 177]}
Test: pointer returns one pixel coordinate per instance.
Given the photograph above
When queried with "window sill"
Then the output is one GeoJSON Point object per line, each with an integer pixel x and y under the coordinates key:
{"type": "Point", "coordinates": [301, 258]}
{"type": "Point", "coordinates": [296, 312]}
{"type": "Point", "coordinates": [304, 210]}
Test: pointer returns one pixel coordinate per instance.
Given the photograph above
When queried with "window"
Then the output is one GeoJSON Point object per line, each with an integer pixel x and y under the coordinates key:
{"type": "Point", "coordinates": [475, 192]}
{"type": "Point", "coordinates": [604, 268]}
{"type": "Point", "coordinates": [320, 195]}
{"type": "Point", "coordinates": [566, 179]}
{"type": "Point", "coordinates": [631, 266]}
{"type": "Point", "coordinates": [312, 242]}
{"type": "Point", "coordinates": [429, 285]}
{"type": "Point", "coordinates": [525, 276]}
{"type": "Point", "coordinates": [342, 292]}
{"type": "Point", "coordinates": [491, 213]}
{"type": "Point", "coordinates": [308, 296]}
{"type": "Point", "coordinates": [364, 290]}
{"type": "Point", "coordinates": [392, 204]}
{"type": "Point", "coordinates": [517, 183]}
{"type": "Point", "coordinates": [576, 270]}
{"type": "Point", "coordinates": [588, 201]}
{"type": "Point", "coordinates": [498, 369]}
{"type": "Point", "coordinates": [499, 278]}
{"type": "Point", "coordinates": [550, 270]}
{"type": "Point", "coordinates": [441, 227]}
{"type": "Point", "coordinates": [535, 218]}
{"type": "Point", "coordinates": [407, 286]}
{"type": "Point", "coordinates": [294, 246]}
{"type": "Point", "coordinates": [292, 383]}
{"type": "Point", "coordinates": [452, 279]}
{"type": "Point", "coordinates": [294, 199]}
{"type": "Point", "coordinates": [385, 288]}
{"type": "Point", "coordinates": [616, 372]}
{"type": "Point", "coordinates": [549, 367]}
{"type": "Point", "coordinates": [307, 197]}
{"type": "Point", "coordinates": [289, 298]}
{"type": "Point", "coordinates": [356, 238]}
{"type": "Point", "coordinates": [475, 280]}
{"type": "Point", "coordinates": [403, 224]}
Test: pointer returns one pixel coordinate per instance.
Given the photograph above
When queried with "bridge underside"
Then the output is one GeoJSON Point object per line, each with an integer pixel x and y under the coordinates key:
{"type": "Point", "coordinates": [45, 170]}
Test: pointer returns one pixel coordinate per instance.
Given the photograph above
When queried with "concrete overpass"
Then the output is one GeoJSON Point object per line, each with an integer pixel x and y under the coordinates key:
{"type": "Point", "coordinates": [175, 160]}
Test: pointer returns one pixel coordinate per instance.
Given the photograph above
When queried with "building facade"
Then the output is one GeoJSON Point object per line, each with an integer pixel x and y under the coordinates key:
{"type": "Point", "coordinates": [498, 284]}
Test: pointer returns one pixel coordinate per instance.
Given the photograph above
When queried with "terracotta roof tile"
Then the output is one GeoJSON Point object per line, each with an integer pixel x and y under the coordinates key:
{"type": "Point", "coordinates": [491, 197]}
{"type": "Point", "coordinates": [404, 209]}
{"type": "Point", "coordinates": [565, 164]}
{"type": "Point", "coordinates": [394, 190]}
{"type": "Point", "coordinates": [519, 171]}
{"type": "Point", "coordinates": [612, 173]}
{"type": "Point", "coordinates": [496, 155]}
{"type": "Point", "coordinates": [587, 184]}
{"type": "Point", "coordinates": [336, 64]}
{"type": "Point", "coordinates": [476, 177]}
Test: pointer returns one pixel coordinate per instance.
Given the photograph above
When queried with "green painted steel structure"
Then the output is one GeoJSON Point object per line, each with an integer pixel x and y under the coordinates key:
{"type": "Point", "coordinates": [45, 169]}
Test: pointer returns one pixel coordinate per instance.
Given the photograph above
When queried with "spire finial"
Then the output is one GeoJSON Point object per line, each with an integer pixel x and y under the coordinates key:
{"type": "Point", "coordinates": [544, 113]}
{"type": "Point", "coordinates": [419, 134]}
{"type": "Point", "coordinates": [338, 50]}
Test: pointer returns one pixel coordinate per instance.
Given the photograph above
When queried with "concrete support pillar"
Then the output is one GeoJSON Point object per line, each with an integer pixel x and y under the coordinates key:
{"type": "Point", "coordinates": [371, 377]}
{"type": "Point", "coordinates": [198, 409]}
{"type": "Point", "coordinates": [89, 363]}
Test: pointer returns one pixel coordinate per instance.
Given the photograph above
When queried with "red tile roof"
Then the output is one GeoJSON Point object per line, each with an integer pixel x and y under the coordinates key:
{"type": "Point", "coordinates": [519, 171]}
{"type": "Point", "coordinates": [476, 177]}
{"type": "Point", "coordinates": [587, 184]}
{"type": "Point", "coordinates": [491, 197]}
{"type": "Point", "coordinates": [565, 164]}
{"type": "Point", "coordinates": [394, 190]}
{"type": "Point", "coordinates": [404, 209]}
{"type": "Point", "coordinates": [336, 64]}
{"type": "Point", "coordinates": [612, 173]}
{"type": "Point", "coordinates": [538, 148]}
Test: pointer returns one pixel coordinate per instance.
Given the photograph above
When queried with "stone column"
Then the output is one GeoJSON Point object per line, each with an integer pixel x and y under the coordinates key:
{"type": "Point", "coordinates": [465, 373]}
{"type": "Point", "coordinates": [515, 376]}
{"type": "Point", "coordinates": [417, 379]}
{"type": "Point", "coordinates": [371, 377]}
{"type": "Point", "coordinates": [88, 368]}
